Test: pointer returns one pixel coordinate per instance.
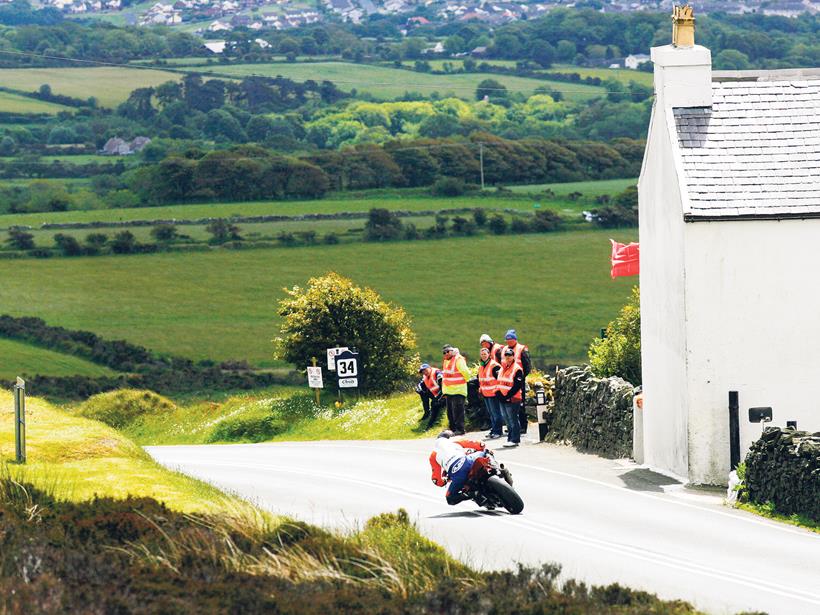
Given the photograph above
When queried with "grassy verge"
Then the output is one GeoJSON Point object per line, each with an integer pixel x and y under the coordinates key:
{"type": "Point", "coordinates": [276, 414]}
{"type": "Point", "coordinates": [77, 459]}
{"type": "Point", "coordinates": [769, 511]}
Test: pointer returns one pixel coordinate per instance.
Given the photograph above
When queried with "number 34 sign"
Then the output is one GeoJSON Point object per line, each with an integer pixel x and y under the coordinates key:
{"type": "Point", "coordinates": [347, 369]}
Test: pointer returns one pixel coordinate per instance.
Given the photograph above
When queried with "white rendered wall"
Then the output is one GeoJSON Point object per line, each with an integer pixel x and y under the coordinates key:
{"type": "Point", "coordinates": [753, 326]}
{"type": "Point", "coordinates": [663, 339]}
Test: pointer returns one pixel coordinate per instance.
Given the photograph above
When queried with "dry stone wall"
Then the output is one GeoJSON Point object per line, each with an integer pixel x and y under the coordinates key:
{"type": "Point", "coordinates": [594, 414]}
{"type": "Point", "coordinates": [783, 467]}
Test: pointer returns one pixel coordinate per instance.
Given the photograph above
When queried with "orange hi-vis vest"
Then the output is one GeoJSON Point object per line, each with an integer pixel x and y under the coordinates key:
{"type": "Point", "coordinates": [487, 383]}
{"type": "Point", "coordinates": [450, 376]}
{"type": "Point", "coordinates": [495, 352]}
{"type": "Point", "coordinates": [519, 350]}
{"type": "Point", "coordinates": [506, 379]}
{"type": "Point", "coordinates": [431, 383]}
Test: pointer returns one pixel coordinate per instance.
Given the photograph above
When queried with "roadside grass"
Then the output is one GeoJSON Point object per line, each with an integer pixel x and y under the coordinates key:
{"type": "Point", "coordinates": [110, 85]}
{"type": "Point", "coordinates": [769, 511]}
{"type": "Point", "coordinates": [388, 83]}
{"type": "Point", "coordinates": [555, 289]}
{"type": "Point", "coordinates": [18, 358]}
{"type": "Point", "coordinates": [410, 200]}
{"type": "Point", "coordinates": [77, 459]}
{"type": "Point", "coordinates": [274, 414]}
{"type": "Point", "coordinates": [15, 103]}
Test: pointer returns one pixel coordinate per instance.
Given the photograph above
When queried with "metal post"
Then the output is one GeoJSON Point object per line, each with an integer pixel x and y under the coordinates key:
{"type": "Point", "coordinates": [734, 430]}
{"type": "Point", "coordinates": [20, 420]}
{"type": "Point", "coordinates": [481, 162]}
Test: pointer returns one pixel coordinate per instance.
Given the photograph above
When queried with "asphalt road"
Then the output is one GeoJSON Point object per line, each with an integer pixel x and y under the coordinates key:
{"type": "Point", "coordinates": [603, 520]}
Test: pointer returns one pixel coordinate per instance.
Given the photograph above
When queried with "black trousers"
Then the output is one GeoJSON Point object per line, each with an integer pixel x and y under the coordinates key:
{"type": "Point", "coordinates": [455, 412]}
{"type": "Point", "coordinates": [432, 408]}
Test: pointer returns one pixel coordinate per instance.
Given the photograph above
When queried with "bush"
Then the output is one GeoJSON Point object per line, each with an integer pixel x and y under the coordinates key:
{"type": "Point", "coordinates": [333, 311]}
{"type": "Point", "coordinates": [20, 240]}
{"type": "Point", "coordinates": [124, 243]}
{"type": "Point", "coordinates": [463, 226]}
{"type": "Point", "coordinates": [382, 225]}
{"type": "Point", "coordinates": [479, 217]}
{"type": "Point", "coordinates": [68, 245]}
{"type": "Point", "coordinates": [248, 428]}
{"type": "Point", "coordinates": [546, 220]}
{"type": "Point", "coordinates": [619, 353]}
{"type": "Point", "coordinates": [498, 225]}
{"type": "Point", "coordinates": [123, 407]}
{"type": "Point", "coordinates": [449, 186]}
{"type": "Point", "coordinates": [331, 239]}
{"type": "Point", "coordinates": [520, 225]}
{"type": "Point", "coordinates": [164, 232]}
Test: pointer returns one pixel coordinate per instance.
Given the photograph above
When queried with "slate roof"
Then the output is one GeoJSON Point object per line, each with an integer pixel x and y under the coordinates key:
{"type": "Point", "coordinates": [755, 152]}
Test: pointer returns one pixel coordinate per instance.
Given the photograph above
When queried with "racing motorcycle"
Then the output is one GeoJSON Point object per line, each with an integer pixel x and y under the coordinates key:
{"type": "Point", "coordinates": [490, 485]}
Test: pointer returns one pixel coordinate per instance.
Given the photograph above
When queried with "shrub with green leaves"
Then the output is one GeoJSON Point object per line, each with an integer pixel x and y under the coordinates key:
{"type": "Point", "coordinates": [619, 354]}
{"type": "Point", "coordinates": [122, 407]}
{"type": "Point", "coordinates": [332, 311]}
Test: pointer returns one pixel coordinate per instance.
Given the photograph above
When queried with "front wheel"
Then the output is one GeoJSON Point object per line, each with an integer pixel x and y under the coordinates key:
{"type": "Point", "coordinates": [509, 498]}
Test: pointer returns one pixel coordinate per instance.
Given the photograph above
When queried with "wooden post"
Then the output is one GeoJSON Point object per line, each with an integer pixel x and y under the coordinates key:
{"type": "Point", "coordinates": [20, 420]}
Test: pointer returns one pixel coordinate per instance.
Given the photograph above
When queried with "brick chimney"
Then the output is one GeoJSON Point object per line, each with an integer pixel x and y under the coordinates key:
{"type": "Point", "coordinates": [683, 70]}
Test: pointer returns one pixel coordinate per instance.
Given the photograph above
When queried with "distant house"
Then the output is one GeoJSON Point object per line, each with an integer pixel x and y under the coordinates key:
{"type": "Point", "coordinates": [479, 52]}
{"type": "Point", "coordinates": [214, 46]}
{"type": "Point", "coordinates": [635, 60]}
{"type": "Point", "coordinates": [116, 146]}
{"type": "Point", "coordinates": [729, 225]}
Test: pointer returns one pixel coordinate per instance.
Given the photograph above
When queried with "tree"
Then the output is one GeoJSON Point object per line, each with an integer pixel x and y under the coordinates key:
{"type": "Point", "coordinates": [68, 245]}
{"type": "Point", "coordinates": [455, 44]}
{"type": "Point", "coordinates": [94, 242]}
{"type": "Point", "coordinates": [498, 225]}
{"type": "Point", "coordinates": [7, 146]}
{"type": "Point", "coordinates": [222, 231]}
{"type": "Point", "coordinates": [164, 233]}
{"type": "Point", "coordinates": [382, 225]}
{"type": "Point", "coordinates": [546, 220]}
{"type": "Point", "coordinates": [731, 59]}
{"type": "Point", "coordinates": [543, 53]}
{"type": "Point", "coordinates": [332, 311]}
{"type": "Point", "coordinates": [20, 240]}
{"type": "Point", "coordinates": [619, 353]}
{"type": "Point", "coordinates": [490, 88]}
{"type": "Point", "coordinates": [123, 243]}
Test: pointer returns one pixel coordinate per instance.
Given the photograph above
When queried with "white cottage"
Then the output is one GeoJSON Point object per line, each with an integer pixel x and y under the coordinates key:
{"type": "Point", "coordinates": [730, 258]}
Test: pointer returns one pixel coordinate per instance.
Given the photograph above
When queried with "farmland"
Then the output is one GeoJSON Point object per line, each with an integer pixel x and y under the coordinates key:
{"type": "Point", "coordinates": [387, 83]}
{"type": "Point", "coordinates": [108, 84]}
{"type": "Point", "coordinates": [18, 358]}
{"type": "Point", "coordinates": [556, 292]}
{"type": "Point", "coordinates": [15, 103]}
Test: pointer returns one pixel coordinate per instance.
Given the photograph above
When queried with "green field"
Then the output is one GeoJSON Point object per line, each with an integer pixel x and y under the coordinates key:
{"type": "Point", "coordinates": [18, 358]}
{"type": "Point", "coordinates": [624, 75]}
{"type": "Point", "coordinates": [410, 201]}
{"type": "Point", "coordinates": [587, 189]}
{"type": "Point", "coordinates": [15, 103]}
{"type": "Point", "coordinates": [388, 83]}
{"type": "Point", "coordinates": [108, 84]}
{"type": "Point", "coordinates": [556, 291]}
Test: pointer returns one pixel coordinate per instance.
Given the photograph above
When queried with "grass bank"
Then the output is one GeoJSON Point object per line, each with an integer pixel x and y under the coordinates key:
{"type": "Point", "coordinates": [76, 459]}
{"type": "Point", "coordinates": [18, 358]}
{"type": "Point", "coordinates": [278, 414]}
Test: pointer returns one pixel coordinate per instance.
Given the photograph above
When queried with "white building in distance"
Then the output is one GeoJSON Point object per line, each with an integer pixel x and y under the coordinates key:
{"type": "Point", "coordinates": [730, 258]}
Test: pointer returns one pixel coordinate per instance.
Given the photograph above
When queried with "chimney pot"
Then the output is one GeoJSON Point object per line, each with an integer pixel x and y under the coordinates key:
{"type": "Point", "coordinates": [683, 26]}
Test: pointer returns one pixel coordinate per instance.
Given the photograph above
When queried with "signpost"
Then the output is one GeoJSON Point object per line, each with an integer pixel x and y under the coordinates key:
{"type": "Point", "coordinates": [347, 369]}
{"type": "Point", "coordinates": [331, 356]}
{"type": "Point", "coordinates": [314, 374]}
{"type": "Point", "coordinates": [20, 420]}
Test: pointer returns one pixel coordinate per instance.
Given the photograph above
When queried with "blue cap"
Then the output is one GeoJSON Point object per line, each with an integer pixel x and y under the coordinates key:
{"type": "Point", "coordinates": [424, 366]}
{"type": "Point", "coordinates": [511, 335]}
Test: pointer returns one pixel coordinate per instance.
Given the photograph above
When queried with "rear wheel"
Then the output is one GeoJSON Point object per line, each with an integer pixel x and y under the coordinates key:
{"type": "Point", "coordinates": [509, 498]}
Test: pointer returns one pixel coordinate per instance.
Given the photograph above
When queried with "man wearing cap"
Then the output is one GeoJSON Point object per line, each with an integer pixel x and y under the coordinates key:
{"type": "Point", "coordinates": [429, 389]}
{"type": "Point", "coordinates": [495, 349]}
{"type": "Point", "coordinates": [454, 385]}
{"type": "Point", "coordinates": [522, 357]}
{"type": "Point", "coordinates": [510, 393]}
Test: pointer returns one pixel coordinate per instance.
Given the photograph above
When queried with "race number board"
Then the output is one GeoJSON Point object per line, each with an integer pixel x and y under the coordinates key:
{"type": "Point", "coordinates": [347, 369]}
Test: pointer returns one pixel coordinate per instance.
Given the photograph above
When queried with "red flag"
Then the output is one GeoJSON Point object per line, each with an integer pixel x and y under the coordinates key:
{"type": "Point", "coordinates": [625, 259]}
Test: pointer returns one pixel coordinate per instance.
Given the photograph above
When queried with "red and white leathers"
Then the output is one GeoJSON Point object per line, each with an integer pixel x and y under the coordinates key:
{"type": "Point", "coordinates": [447, 453]}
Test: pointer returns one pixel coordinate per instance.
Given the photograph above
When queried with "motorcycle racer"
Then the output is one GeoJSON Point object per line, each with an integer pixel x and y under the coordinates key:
{"type": "Point", "coordinates": [452, 460]}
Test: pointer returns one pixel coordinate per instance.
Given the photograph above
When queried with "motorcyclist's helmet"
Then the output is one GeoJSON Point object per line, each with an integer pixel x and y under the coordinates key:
{"type": "Point", "coordinates": [446, 434]}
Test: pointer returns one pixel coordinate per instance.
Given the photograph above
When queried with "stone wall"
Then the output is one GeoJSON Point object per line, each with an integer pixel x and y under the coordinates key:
{"type": "Point", "coordinates": [783, 467]}
{"type": "Point", "coordinates": [594, 414]}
